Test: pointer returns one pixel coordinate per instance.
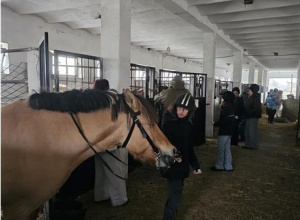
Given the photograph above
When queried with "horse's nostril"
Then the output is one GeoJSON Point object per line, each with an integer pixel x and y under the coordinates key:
{"type": "Point", "coordinates": [174, 151]}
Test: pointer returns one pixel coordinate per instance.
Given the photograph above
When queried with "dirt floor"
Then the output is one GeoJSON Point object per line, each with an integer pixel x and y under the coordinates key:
{"type": "Point", "coordinates": [265, 184]}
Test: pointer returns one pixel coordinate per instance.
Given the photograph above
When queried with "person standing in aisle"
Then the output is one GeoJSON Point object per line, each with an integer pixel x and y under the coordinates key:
{"type": "Point", "coordinates": [168, 96]}
{"type": "Point", "coordinates": [239, 110]}
{"type": "Point", "coordinates": [108, 186]}
{"type": "Point", "coordinates": [252, 115]}
{"type": "Point", "coordinates": [272, 104]}
{"type": "Point", "coordinates": [226, 124]}
{"type": "Point", "coordinates": [178, 127]}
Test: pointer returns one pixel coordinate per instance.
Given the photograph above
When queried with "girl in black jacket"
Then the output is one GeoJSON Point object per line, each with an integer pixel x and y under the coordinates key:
{"type": "Point", "coordinates": [226, 125]}
{"type": "Point", "coordinates": [177, 127]}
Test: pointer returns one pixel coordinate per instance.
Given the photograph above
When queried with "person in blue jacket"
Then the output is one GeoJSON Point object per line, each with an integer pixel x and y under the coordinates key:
{"type": "Point", "coordinates": [272, 104]}
{"type": "Point", "coordinates": [177, 126]}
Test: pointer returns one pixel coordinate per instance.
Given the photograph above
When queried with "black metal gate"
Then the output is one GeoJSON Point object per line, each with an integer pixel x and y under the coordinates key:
{"type": "Point", "coordinates": [143, 78]}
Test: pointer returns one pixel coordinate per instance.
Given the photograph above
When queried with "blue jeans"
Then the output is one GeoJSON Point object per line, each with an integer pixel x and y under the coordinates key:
{"type": "Point", "coordinates": [224, 158]}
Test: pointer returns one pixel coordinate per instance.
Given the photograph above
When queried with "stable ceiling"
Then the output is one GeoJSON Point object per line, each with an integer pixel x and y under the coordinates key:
{"type": "Point", "coordinates": [267, 31]}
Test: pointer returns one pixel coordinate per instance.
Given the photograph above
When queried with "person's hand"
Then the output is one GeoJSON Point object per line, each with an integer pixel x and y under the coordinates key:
{"type": "Point", "coordinates": [197, 172]}
{"type": "Point", "coordinates": [178, 157]}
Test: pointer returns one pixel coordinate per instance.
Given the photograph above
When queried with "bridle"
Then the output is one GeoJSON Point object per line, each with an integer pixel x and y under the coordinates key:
{"type": "Point", "coordinates": [137, 122]}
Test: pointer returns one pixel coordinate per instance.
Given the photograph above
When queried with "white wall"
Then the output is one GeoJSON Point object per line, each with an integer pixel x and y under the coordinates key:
{"type": "Point", "coordinates": [27, 31]}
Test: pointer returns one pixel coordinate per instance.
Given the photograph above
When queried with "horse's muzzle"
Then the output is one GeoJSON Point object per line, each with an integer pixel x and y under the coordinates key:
{"type": "Point", "coordinates": [166, 159]}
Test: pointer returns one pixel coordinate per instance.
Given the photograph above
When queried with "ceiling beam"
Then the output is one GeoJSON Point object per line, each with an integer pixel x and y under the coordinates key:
{"type": "Point", "coordinates": [253, 15]}
{"type": "Point", "coordinates": [260, 22]}
{"type": "Point", "coordinates": [37, 6]}
{"type": "Point", "coordinates": [239, 6]}
{"type": "Point", "coordinates": [263, 29]}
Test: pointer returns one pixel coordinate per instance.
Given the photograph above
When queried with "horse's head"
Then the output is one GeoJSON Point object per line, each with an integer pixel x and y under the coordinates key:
{"type": "Point", "coordinates": [145, 140]}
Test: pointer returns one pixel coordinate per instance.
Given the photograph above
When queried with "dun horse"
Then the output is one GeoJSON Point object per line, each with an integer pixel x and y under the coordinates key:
{"type": "Point", "coordinates": [46, 137]}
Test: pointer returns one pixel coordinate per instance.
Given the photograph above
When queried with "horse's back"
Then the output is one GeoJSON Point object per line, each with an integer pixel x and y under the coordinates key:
{"type": "Point", "coordinates": [26, 159]}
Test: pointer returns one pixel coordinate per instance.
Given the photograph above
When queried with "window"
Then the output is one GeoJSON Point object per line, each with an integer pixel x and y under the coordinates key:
{"type": "Point", "coordinates": [4, 59]}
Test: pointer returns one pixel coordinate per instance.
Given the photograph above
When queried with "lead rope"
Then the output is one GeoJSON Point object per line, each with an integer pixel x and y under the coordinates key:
{"type": "Point", "coordinates": [95, 152]}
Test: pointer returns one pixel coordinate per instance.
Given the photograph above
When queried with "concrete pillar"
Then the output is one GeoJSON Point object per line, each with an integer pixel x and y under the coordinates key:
{"type": "Point", "coordinates": [209, 64]}
{"type": "Point", "coordinates": [298, 83]}
{"type": "Point", "coordinates": [260, 76]}
{"type": "Point", "coordinates": [115, 42]}
{"type": "Point", "coordinates": [33, 63]}
{"type": "Point", "coordinates": [251, 73]}
{"type": "Point", "coordinates": [265, 84]}
{"type": "Point", "coordinates": [237, 69]}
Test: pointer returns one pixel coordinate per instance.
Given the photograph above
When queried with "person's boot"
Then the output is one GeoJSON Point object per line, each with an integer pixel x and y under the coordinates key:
{"type": "Point", "coordinates": [169, 214]}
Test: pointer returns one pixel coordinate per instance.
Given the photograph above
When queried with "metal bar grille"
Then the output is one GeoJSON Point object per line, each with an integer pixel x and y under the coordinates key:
{"type": "Point", "coordinates": [14, 86]}
{"type": "Point", "coordinates": [75, 71]}
{"type": "Point", "coordinates": [194, 82]}
{"type": "Point", "coordinates": [143, 78]}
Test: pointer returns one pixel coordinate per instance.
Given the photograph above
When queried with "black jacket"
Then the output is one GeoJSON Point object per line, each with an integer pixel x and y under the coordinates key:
{"type": "Point", "coordinates": [227, 120]}
{"type": "Point", "coordinates": [179, 133]}
{"type": "Point", "coordinates": [253, 106]}
{"type": "Point", "coordinates": [239, 109]}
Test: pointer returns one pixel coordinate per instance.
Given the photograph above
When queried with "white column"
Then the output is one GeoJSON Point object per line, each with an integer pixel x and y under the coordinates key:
{"type": "Point", "coordinates": [115, 42]}
{"type": "Point", "coordinates": [298, 83]}
{"type": "Point", "coordinates": [34, 84]}
{"type": "Point", "coordinates": [209, 56]}
{"type": "Point", "coordinates": [251, 73]}
{"type": "Point", "coordinates": [237, 69]}
{"type": "Point", "coordinates": [260, 76]}
{"type": "Point", "coordinates": [265, 84]}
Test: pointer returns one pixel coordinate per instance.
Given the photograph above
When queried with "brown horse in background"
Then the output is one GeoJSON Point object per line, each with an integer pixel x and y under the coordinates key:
{"type": "Point", "coordinates": [41, 144]}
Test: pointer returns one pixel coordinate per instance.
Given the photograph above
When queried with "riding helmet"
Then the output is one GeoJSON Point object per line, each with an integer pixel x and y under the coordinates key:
{"type": "Point", "coordinates": [186, 101]}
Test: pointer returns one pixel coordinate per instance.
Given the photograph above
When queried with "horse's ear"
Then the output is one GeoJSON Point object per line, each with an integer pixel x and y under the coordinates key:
{"type": "Point", "coordinates": [131, 100]}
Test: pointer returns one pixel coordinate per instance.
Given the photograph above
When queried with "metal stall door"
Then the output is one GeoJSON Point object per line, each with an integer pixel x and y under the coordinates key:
{"type": "Point", "coordinates": [226, 85]}
{"type": "Point", "coordinates": [142, 81]}
{"type": "Point", "coordinates": [195, 83]}
{"type": "Point", "coordinates": [75, 71]}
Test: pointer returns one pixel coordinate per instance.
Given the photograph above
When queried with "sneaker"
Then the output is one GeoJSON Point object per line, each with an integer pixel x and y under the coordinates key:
{"type": "Point", "coordinates": [249, 148]}
{"type": "Point", "coordinates": [229, 170]}
{"type": "Point", "coordinates": [216, 169]}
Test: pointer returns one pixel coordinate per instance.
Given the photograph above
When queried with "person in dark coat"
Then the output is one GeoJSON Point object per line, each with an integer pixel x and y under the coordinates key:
{"type": "Point", "coordinates": [252, 115]}
{"type": "Point", "coordinates": [226, 124]}
{"type": "Point", "coordinates": [239, 111]}
{"type": "Point", "coordinates": [178, 127]}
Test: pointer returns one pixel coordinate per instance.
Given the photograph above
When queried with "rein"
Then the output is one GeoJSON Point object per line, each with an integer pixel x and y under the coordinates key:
{"type": "Point", "coordinates": [95, 152]}
{"type": "Point", "coordinates": [136, 121]}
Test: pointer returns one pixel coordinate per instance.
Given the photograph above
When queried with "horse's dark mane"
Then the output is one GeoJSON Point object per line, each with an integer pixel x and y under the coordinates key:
{"type": "Point", "coordinates": [87, 101]}
{"type": "Point", "coordinates": [148, 110]}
